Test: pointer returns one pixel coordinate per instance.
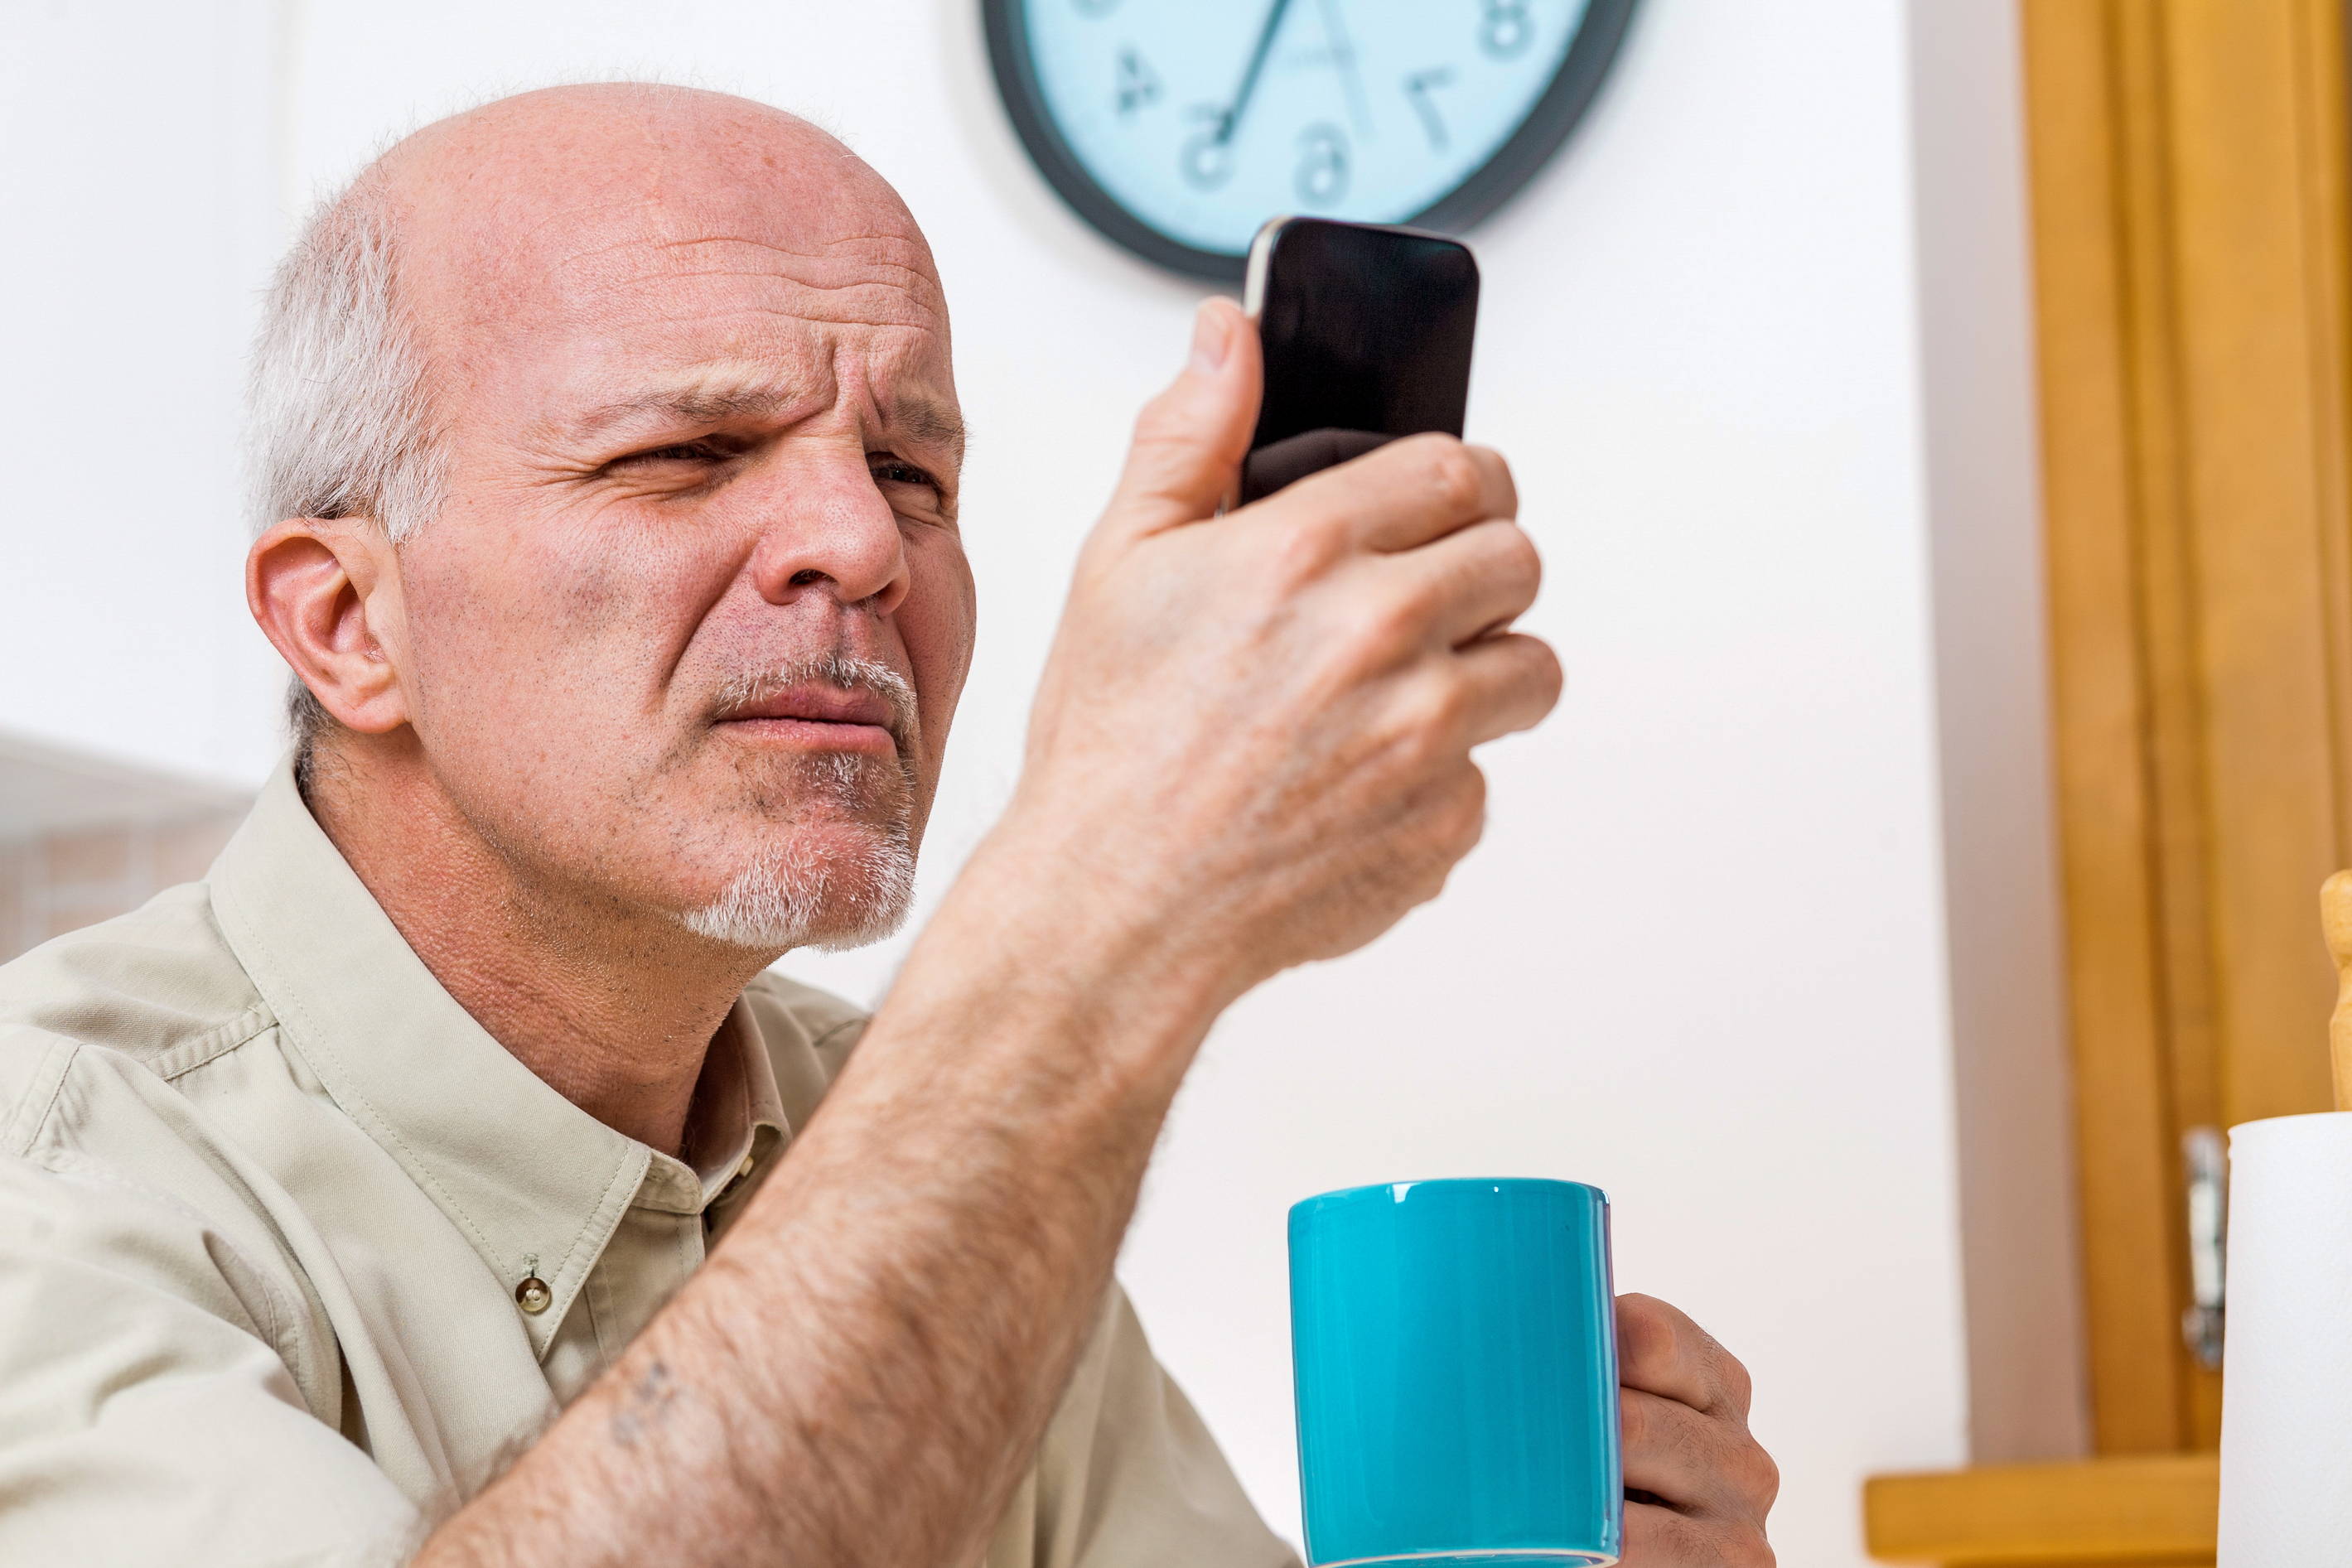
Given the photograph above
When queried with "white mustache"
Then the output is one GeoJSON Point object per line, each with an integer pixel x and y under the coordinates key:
{"type": "Point", "coordinates": [838, 671]}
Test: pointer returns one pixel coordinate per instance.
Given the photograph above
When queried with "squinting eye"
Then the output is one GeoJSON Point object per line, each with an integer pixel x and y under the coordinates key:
{"type": "Point", "coordinates": [900, 473]}
{"type": "Point", "coordinates": [694, 452]}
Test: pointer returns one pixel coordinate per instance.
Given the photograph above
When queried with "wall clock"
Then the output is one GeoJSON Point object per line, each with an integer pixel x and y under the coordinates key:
{"type": "Point", "coordinates": [1176, 127]}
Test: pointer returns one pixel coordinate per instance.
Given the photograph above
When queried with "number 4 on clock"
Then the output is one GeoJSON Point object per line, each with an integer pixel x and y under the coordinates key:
{"type": "Point", "coordinates": [1138, 83]}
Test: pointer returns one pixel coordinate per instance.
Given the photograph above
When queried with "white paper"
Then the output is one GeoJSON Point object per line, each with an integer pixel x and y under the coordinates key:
{"type": "Point", "coordinates": [2286, 1376]}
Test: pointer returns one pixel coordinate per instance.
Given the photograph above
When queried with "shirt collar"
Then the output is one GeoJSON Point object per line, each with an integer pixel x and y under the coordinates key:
{"type": "Point", "coordinates": [535, 1184]}
{"type": "Point", "coordinates": [739, 1123]}
{"type": "Point", "coordinates": [736, 1119]}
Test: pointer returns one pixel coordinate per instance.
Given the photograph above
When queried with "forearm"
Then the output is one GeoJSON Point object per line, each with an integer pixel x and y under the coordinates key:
{"type": "Point", "coordinates": [860, 1373]}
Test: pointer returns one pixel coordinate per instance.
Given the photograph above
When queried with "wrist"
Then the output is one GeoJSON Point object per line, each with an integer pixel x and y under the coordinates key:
{"type": "Point", "coordinates": [1040, 921]}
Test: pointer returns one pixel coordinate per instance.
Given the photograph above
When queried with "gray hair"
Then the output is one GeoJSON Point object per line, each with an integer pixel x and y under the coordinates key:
{"type": "Point", "coordinates": [339, 420]}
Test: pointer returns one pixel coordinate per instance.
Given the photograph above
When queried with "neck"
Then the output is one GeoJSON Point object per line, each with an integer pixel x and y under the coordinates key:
{"type": "Point", "coordinates": [614, 1008]}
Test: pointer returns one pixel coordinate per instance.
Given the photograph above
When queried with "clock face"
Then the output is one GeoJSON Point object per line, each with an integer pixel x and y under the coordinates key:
{"type": "Point", "coordinates": [1178, 127]}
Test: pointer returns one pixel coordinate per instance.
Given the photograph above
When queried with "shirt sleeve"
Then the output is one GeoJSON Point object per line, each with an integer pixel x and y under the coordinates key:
{"type": "Point", "coordinates": [145, 1416]}
{"type": "Point", "coordinates": [1128, 1476]}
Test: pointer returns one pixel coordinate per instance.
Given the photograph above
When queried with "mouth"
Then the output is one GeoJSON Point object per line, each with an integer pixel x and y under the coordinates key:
{"type": "Point", "coordinates": [818, 717]}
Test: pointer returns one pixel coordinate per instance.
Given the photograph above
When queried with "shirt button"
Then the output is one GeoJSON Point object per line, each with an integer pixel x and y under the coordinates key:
{"type": "Point", "coordinates": [744, 1169]}
{"type": "Point", "coordinates": [532, 1295]}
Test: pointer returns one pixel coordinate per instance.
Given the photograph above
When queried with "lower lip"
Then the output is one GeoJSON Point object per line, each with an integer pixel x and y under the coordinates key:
{"type": "Point", "coordinates": [816, 734]}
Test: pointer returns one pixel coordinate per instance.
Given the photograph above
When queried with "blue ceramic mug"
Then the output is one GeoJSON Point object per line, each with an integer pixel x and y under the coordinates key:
{"type": "Point", "coordinates": [1456, 1348]}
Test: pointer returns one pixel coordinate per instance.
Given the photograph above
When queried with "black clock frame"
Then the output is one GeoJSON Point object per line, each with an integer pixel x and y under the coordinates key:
{"type": "Point", "coordinates": [1557, 113]}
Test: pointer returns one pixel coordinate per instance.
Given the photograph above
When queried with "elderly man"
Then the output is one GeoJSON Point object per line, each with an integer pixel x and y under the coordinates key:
{"type": "Point", "coordinates": [440, 1179]}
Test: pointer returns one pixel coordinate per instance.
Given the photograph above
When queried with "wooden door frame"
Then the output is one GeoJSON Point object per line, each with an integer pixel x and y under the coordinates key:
{"type": "Point", "coordinates": [2191, 179]}
{"type": "Point", "coordinates": [2189, 174]}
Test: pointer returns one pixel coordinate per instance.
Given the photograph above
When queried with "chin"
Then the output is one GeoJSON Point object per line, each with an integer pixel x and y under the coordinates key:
{"type": "Point", "coordinates": [829, 888]}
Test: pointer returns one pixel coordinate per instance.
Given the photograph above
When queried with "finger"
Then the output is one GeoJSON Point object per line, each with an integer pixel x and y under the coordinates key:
{"type": "Point", "coordinates": [1658, 1537]}
{"type": "Point", "coordinates": [1405, 494]}
{"type": "Point", "coordinates": [1189, 441]}
{"type": "Point", "coordinates": [1508, 684]}
{"type": "Point", "coordinates": [1667, 1450]}
{"type": "Point", "coordinates": [1661, 1351]}
{"type": "Point", "coordinates": [1475, 580]}
{"type": "Point", "coordinates": [1698, 1464]}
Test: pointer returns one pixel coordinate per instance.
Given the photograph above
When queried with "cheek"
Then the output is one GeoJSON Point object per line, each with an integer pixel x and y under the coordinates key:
{"type": "Point", "coordinates": [937, 622]}
{"type": "Point", "coordinates": [465, 614]}
{"type": "Point", "coordinates": [505, 621]}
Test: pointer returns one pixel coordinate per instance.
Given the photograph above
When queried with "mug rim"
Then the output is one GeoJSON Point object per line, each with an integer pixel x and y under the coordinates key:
{"type": "Point", "coordinates": [1531, 1555]}
{"type": "Point", "coordinates": [1400, 1191]}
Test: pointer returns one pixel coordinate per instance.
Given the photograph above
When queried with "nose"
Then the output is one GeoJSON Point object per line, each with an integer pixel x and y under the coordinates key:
{"type": "Point", "coordinates": [829, 529]}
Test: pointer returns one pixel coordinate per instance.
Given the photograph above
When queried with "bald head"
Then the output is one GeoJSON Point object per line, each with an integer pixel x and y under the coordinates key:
{"type": "Point", "coordinates": [502, 208]}
{"type": "Point", "coordinates": [641, 384]}
{"type": "Point", "coordinates": [565, 204]}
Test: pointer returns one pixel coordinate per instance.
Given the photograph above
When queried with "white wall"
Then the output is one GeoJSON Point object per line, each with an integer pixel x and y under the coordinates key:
{"type": "Point", "coordinates": [2029, 1387]}
{"type": "Point", "coordinates": [1700, 959]}
{"type": "Point", "coordinates": [135, 182]}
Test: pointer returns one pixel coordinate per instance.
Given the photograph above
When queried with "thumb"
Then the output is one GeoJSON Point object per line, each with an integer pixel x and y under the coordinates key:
{"type": "Point", "coordinates": [1191, 438]}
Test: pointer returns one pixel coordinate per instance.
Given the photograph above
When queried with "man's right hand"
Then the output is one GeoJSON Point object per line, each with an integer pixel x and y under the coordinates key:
{"type": "Point", "coordinates": [1254, 733]}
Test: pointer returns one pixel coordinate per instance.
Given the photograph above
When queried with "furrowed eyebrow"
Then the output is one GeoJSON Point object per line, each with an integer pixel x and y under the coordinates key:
{"type": "Point", "coordinates": [701, 403]}
{"type": "Point", "coordinates": [929, 422]}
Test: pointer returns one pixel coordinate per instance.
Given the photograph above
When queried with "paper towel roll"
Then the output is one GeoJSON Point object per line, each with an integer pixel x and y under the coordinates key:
{"type": "Point", "coordinates": [2287, 1387]}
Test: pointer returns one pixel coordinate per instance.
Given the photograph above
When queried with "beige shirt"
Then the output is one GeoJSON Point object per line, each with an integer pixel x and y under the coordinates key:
{"type": "Point", "coordinates": [269, 1201]}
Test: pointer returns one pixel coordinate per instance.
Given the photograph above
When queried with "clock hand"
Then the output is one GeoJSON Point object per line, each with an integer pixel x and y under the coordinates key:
{"type": "Point", "coordinates": [1344, 52]}
{"type": "Point", "coordinates": [1232, 118]}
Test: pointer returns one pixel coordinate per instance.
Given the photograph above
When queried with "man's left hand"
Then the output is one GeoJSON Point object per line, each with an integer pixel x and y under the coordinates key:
{"type": "Point", "coordinates": [1697, 1484]}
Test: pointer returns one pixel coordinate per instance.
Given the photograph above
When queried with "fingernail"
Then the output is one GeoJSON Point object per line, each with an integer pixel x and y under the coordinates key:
{"type": "Point", "coordinates": [1212, 337]}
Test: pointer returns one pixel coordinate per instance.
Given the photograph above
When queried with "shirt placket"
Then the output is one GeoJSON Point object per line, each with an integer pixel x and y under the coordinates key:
{"type": "Point", "coordinates": [654, 1251]}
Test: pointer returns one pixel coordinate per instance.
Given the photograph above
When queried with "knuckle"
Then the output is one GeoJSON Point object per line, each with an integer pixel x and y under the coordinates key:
{"type": "Point", "coordinates": [1645, 1338]}
{"type": "Point", "coordinates": [1466, 821]}
{"type": "Point", "coordinates": [1746, 1547]}
{"type": "Point", "coordinates": [1736, 1384]}
{"type": "Point", "coordinates": [1454, 475]}
{"type": "Point", "coordinates": [1724, 1371]}
{"type": "Point", "coordinates": [1306, 551]}
{"type": "Point", "coordinates": [1521, 559]}
{"type": "Point", "coordinates": [1472, 797]}
{"type": "Point", "coordinates": [1155, 426]}
{"type": "Point", "coordinates": [1441, 715]}
{"type": "Point", "coordinates": [1763, 1476]}
{"type": "Point", "coordinates": [1427, 721]}
{"type": "Point", "coordinates": [1396, 622]}
{"type": "Point", "coordinates": [1510, 485]}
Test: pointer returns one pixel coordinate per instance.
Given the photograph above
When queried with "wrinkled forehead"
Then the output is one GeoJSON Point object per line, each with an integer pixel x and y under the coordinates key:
{"type": "Point", "coordinates": [623, 249]}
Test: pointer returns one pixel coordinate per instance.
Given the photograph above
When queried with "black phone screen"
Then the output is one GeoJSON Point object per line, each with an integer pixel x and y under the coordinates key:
{"type": "Point", "coordinates": [1367, 335]}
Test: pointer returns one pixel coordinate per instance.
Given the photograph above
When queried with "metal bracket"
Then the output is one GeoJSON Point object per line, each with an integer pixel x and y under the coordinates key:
{"type": "Point", "coordinates": [2207, 1191]}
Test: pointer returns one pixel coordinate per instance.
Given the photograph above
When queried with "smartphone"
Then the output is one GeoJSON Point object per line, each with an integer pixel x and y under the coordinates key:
{"type": "Point", "coordinates": [1366, 330]}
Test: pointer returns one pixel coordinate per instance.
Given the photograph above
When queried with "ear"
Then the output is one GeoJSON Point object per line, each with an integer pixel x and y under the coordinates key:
{"type": "Point", "coordinates": [326, 592]}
